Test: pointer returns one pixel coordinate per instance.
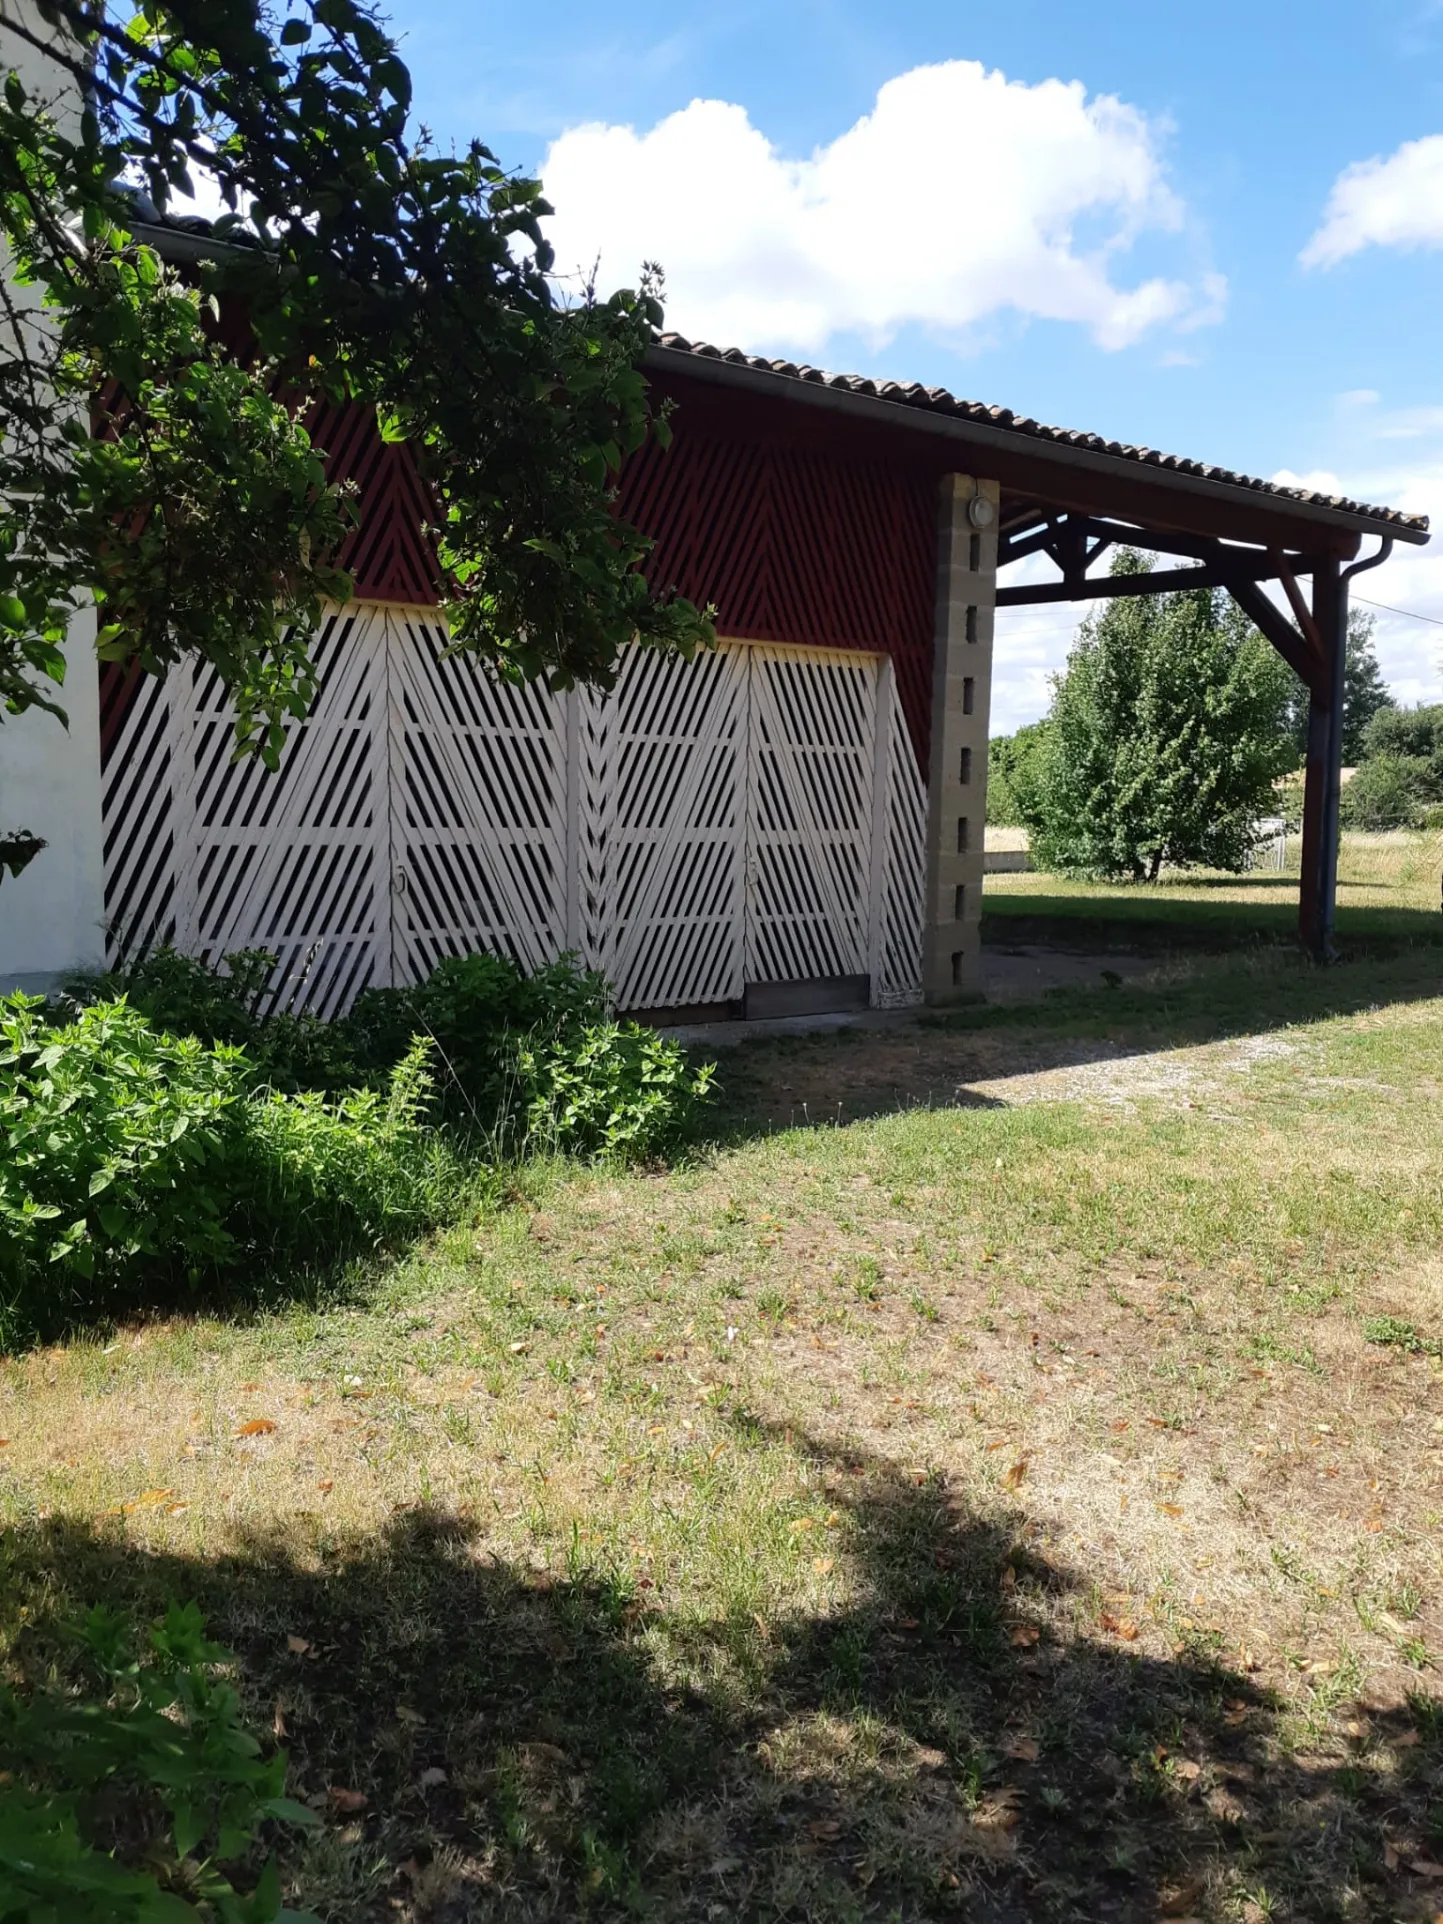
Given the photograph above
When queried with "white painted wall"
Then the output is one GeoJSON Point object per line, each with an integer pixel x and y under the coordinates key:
{"type": "Point", "coordinates": [51, 916]}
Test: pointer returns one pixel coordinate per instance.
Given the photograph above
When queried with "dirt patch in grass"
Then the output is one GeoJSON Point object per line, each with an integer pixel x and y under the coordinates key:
{"type": "Point", "coordinates": [1020, 1510]}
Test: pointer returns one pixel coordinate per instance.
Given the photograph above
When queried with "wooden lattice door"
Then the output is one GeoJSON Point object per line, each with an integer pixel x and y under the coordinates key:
{"type": "Point", "coordinates": [292, 860]}
{"type": "Point", "coordinates": [810, 778]}
{"type": "Point", "coordinates": [479, 801]}
{"type": "Point", "coordinates": [671, 821]}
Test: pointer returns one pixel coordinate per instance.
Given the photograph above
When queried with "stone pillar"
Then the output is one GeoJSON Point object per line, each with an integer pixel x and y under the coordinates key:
{"type": "Point", "coordinates": [961, 698]}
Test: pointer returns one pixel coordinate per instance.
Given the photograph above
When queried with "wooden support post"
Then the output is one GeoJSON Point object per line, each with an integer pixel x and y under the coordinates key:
{"type": "Point", "coordinates": [1317, 900]}
{"type": "Point", "coordinates": [961, 699]}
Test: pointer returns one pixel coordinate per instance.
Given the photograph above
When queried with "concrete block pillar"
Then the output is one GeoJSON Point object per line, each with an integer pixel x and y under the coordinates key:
{"type": "Point", "coordinates": [961, 700]}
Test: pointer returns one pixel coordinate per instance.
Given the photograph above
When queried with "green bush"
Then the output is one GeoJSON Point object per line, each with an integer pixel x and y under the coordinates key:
{"type": "Point", "coordinates": [1014, 773]}
{"type": "Point", "coordinates": [1384, 792]}
{"type": "Point", "coordinates": [612, 1089]}
{"type": "Point", "coordinates": [476, 1010]}
{"type": "Point", "coordinates": [186, 996]}
{"type": "Point", "coordinates": [134, 1161]}
{"type": "Point", "coordinates": [317, 1179]}
{"type": "Point", "coordinates": [130, 1795]}
{"type": "Point", "coordinates": [114, 1140]}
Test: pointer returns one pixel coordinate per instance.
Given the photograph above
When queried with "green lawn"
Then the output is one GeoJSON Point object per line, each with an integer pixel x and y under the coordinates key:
{"type": "Point", "coordinates": [999, 1475]}
{"type": "Point", "coordinates": [1390, 894]}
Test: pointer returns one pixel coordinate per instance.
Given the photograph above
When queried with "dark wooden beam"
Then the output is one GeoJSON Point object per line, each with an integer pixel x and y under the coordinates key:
{"type": "Point", "coordinates": [1164, 581]}
{"type": "Point", "coordinates": [1268, 618]}
{"type": "Point", "coordinates": [1317, 894]}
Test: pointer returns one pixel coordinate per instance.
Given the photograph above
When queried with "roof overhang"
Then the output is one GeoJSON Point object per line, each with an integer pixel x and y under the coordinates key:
{"type": "Point", "coordinates": [1071, 473]}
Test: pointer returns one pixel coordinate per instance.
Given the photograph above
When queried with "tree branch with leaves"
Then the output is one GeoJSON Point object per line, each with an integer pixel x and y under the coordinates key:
{"type": "Point", "coordinates": [372, 268]}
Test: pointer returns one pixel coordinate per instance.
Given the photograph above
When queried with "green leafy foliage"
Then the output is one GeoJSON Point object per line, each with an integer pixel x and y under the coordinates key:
{"type": "Point", "coordinates": [114, 1140]}
{"type": "Point", "coordinates": [477, 1010]}
{"type": "Point", "coordinates": [1166, 737]}
{"type": "Point", "coordinates": [1400, 777]}
{"type": "Point", "coordinates": [140, 1162]}
{"type": "Point", "coordinates": [613, 1089]}
{"type": "Point", "coordinates": [357, 262]}
{"type": "Point", "coordinates": [134, 1794]}
{"type": "Point", "coordinates": [317, 1178]}
{"type": "Point", "coordinates": [1013, 766]}
{"type": "Point", "coordinates": [1365, 693]}
{"type": "Point", "coordinates": [234, 1003]}
{"type": "Point", "coordinates": [137, 1162]}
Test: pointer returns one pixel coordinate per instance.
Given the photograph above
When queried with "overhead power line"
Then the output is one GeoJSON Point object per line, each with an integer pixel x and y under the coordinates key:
{"type": "Point", "coordinates": [1410, 613]}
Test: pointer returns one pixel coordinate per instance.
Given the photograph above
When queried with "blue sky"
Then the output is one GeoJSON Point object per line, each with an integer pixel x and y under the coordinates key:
{"type": "Point", "coordinates": [1166, 244]}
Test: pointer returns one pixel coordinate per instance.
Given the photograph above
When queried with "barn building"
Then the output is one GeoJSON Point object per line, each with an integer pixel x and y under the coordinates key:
{"type": "Point", "coordinates": [791, 822]}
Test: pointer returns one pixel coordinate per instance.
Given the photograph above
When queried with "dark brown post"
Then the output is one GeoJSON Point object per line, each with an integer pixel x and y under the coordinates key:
{"type": "Point", "coordinates": [1317, 901]}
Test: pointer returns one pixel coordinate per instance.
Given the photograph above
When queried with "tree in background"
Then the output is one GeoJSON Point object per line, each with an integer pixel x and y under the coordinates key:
{"type": "Point", "coordinates": [1012, 765]}
{"type": "Point", "coordinates": [1399, 779]}
{"type": "Point", "coordinates": [1167, 733]}
{"type": "Point", "coordinates": [370, 268]}
{"type": "Point", "coordinates": [1365, 693]}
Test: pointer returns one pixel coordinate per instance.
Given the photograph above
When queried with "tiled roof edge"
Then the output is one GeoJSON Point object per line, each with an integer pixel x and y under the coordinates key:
{"type": "Point", "coordinates": [938, 400]}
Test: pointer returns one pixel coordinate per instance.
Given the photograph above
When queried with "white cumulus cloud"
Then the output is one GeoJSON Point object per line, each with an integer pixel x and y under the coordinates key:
{"type": "Point", "coordinates": [1397, 202]}
{"type": "Point", "coordinates": [959, 196]}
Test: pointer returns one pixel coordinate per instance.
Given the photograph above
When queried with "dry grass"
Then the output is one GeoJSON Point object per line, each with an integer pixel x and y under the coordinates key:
{"type": "Point", "coordinates": [993, 1506]}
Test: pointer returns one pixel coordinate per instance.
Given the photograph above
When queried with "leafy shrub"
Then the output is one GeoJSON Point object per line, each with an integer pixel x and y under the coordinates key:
{"type": "Point", "coordinates": [226, 1003]}
{"type": "Point", "coordinates": [1416, 733]}
{"type": "Point", "coordinates": [133, 1160]}
{"type": "Point", "coordinates": [314, 1178]}
{"type": "Point", "coordinates": [476, 1010]}
{"type": "Point", "coordinates": [113, 1139]}
{"type": "Point", "coordinates": [1385, 792]}
{"type": "Point", "coordinates": [608, 1088]}
{"type": "Point", "coordinates": [1014, 772]}
{"type": "Point", "coordinates": [122, 1799]}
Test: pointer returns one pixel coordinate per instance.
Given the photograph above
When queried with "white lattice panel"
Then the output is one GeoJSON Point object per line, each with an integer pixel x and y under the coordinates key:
{"type": "Point", "coordinates": [139, 831]}
{"type": "Point", "coordinates": [755, 815]}
{"type": "Point", "coordinates": [674, 815]}
{"type": "Point", "coordinates": [811, 756]}
{"type": "Point", "coordinates": [899, 830]}
{"type": "Point", "coordinates": [479, 809]}
{"type": "Point", "coordinates": [292, 860]}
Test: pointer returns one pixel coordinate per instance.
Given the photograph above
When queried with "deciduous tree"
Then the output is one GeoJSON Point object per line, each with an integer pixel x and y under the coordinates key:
{"type": "Point", "coordinates": [1166, 736]}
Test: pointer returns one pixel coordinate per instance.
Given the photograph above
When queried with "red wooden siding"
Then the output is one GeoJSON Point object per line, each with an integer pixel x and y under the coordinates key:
{"type": "Point", "coordinates": [792, 539]}
{"type": "Point", "coordinates": [796, 545]}
{"type": "Point", "coordinates": [388, 554]}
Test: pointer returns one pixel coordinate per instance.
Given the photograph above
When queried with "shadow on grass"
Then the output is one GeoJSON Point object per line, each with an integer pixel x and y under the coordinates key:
{"type": "Point", "coordinates": [937, 1059]}
{"type": "Point", "coordinates": [550, 1744]}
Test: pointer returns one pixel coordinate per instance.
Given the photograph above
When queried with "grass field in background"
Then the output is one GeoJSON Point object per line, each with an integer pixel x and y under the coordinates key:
{"type": "Point", "coordinates": [999, 1476]}
{"type": "Point", "coordinates": [1390, 891]}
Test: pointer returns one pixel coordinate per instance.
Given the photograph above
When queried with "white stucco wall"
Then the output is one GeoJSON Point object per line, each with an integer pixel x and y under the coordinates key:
{"type": "Point", "coordinates": [51, 916]}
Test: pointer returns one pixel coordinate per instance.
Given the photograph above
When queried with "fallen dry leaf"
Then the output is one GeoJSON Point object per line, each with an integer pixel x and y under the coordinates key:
{"type": "Point", "coordinates": [147, 1500]}
{"type": "Point", "coordinates": [1175, 1899]}
{"type": "Point", "coordinates": [258, 1426]}
{"type": "Point", "coordinates": [1022, 1750]}
{"type": "Point", "coordinates": [1024, 1635]}
{"type": "Point", "coordinates": [326, 1484]}
{"type": "Point", "coordinates": [298, 1646]}
{"type": "Point", "coordinates": [1170, 1509]}
{"type": "Point", "coordinates": [1013, 1479]}
{"type": "Point", "coordinates": [432, 1777]}
{"type": "Point", "coordinates": [346, 1800]}
{"type": "Point", "coordinates": [823, 1564]}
